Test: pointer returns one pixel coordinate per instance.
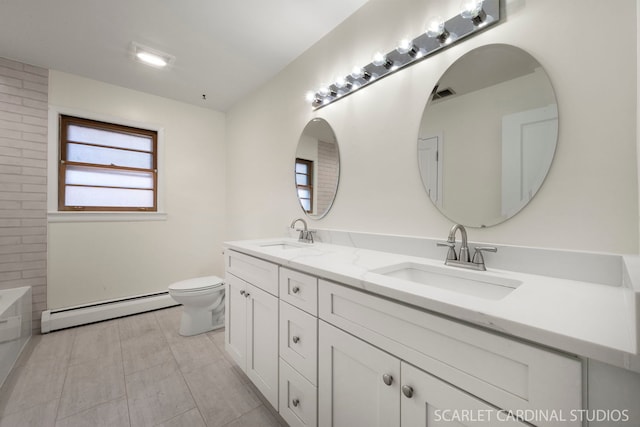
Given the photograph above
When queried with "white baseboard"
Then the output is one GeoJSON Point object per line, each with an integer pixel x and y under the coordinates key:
{"type": "Point", "coordinates": [53, 320]}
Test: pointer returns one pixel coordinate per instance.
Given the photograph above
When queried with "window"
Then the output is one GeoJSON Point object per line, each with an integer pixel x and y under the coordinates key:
{"type": "Point", "coordinates": [304, 183]}
{"type": "Point", "coordinates": [106, 167]}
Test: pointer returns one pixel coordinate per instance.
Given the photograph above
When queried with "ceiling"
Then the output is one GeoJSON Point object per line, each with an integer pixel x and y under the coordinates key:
{"type": "Point", "coordinates": [487, 66]}
{"type": "Point", "coordinates": [224, 49]}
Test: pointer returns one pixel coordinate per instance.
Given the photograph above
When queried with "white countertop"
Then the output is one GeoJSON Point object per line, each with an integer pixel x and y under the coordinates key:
{"type": "Point", "coordinates": [597, 321]}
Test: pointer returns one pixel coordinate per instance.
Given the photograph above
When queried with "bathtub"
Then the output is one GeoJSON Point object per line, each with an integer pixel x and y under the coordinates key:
{"type": "Point", "coordinates": [15, 326]}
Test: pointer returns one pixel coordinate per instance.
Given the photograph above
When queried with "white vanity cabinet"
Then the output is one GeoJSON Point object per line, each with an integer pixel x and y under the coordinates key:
{"type": "Point", "coordinates": [251, 318]}
{"type": "Point", "coordinates": [330, 355]}
{"type": "Point", "coordinates": [475, 368]}
{"type": "Point", "coordinates": [363, 385]}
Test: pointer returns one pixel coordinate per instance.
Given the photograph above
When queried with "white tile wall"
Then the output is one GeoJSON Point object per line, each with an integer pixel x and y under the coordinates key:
{"type": "Point", "coordinates": [23, 180]}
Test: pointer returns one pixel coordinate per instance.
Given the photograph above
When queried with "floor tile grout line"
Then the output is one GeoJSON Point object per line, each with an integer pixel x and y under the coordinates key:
{"type": "Point", "coordinates": [124, 375]}
{"type": "Point", "coordinates": [81, 363]}
{"type": "Point", "coordinates": [88, 408]}
{"type": "Point", "coordinates": [195, 402]}
{"type": "Point", "coordinates": [66, 373]}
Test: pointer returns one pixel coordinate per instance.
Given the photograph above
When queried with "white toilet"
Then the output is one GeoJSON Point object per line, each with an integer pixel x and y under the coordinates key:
{"type": "Point", "coordinates": [203, 301]}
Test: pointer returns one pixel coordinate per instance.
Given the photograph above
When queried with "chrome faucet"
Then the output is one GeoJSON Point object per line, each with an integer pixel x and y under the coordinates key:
{"type": "Point", "coordinates": [306, 235]}
{"type": "Point", "coordinates": [463, 259]}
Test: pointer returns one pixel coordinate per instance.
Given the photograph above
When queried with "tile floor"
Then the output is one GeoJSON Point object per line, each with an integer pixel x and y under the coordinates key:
{"type": "Point", "coordinates": [133, 371]}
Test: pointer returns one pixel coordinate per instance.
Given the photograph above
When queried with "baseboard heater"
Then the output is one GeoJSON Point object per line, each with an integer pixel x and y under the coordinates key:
{"type": "Point", "coordinates": [53, 320]}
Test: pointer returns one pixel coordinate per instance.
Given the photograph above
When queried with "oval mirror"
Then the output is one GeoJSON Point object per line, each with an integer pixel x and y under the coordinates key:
{"type": "Point", "coordinates": [488, 135]}
{"type": "Point", "coordinates": [317, 168]}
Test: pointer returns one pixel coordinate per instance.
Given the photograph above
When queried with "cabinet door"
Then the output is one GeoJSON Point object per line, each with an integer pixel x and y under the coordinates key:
{"type": "Point", "coordinates": [235, 319]}
{"type": "Point", "coordinates": [428, 401]}
{"type": "Point", "coordinates": [351, 382]}
{"type": "Point", "coordinates": [262, 342]}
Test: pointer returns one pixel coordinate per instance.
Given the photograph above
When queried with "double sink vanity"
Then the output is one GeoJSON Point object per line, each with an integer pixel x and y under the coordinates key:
{"type": "Point", "coordinates": [344, 329]}
{"type": "Point", "coordinates": [342, 333]}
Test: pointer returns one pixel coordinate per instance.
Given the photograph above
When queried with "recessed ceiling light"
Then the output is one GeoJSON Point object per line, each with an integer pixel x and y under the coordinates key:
{"type": "Point", "coordinates": [151, 59]}
{"type": "Point", "coordinates": [150, 56]}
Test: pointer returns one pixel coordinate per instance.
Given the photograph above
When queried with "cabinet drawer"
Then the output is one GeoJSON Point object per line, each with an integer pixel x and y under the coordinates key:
{"type": "Point", "coordinates": [299, 340]}
{"type": "Point", "coordinates": [259, 273]}
{"type": "Point", "coordinates": [505, 372]}
{"type": "Point", "coordinates": [300, 290]}
{"type": "Point", "coordinates": [298, 398]}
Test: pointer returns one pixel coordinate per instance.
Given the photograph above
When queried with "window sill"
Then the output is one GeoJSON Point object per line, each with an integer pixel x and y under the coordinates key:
{"type": "Point", "coordinates": [93, 216]}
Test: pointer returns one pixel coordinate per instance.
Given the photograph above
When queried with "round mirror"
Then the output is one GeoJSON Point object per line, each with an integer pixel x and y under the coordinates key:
{"type": "Point", "coordinates": [488, 135]}
{"type": "Point", "coordinates": [317, 168]}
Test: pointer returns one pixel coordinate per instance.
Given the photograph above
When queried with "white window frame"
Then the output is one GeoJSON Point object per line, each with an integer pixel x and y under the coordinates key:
{"type": "Point", "coordinates": [54, 215]}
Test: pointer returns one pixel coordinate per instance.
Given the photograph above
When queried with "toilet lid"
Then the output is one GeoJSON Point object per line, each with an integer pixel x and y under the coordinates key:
{"type": "Point", "coordinates": [197, 284]}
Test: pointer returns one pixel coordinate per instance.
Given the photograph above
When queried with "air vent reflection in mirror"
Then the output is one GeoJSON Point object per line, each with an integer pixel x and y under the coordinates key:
{"type": "Point", "coordinates": [443, 93]}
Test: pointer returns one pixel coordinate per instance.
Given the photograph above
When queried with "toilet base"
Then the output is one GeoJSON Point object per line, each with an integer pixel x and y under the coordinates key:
{"type": "Point", "coordinates": [198, 321]}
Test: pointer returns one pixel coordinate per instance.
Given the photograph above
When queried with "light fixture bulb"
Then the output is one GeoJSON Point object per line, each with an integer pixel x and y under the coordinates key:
{"type": "Point", "coordinates": [435, 27]}
{"type": "Point", "coordinates": [310, 96]}
{"type": "Point", "coordinates": [472, 9]}
{"type": "Point", "coordinates": [324, 91]}
{"type": "Point", "coordinates": [340, 82]}
{"type": "Point", "coordinates": [151, 59]}
{"type": "Point", "coordinates": [407, 47]}
{"type": "Point", "coordinates": [360, 73]}
{"type": "Point", "coordinates": [379, 59]}
{"type": "Point", "coordinates": [404, 46]}
{"type": "Point", "coordinates": [357, 72]}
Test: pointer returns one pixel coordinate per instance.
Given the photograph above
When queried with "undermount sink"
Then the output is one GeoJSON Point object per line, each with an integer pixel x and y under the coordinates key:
{"type": "Point", "coordinates": [478, 284]}
{"type": "Point", "coordinates": [281, 245]}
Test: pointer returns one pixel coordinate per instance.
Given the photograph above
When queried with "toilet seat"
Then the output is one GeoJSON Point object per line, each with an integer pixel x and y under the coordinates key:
{"type": "Point", "coordinates": [197, 284]}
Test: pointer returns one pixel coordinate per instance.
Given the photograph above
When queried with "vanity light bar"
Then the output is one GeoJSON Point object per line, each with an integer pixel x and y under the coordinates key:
{"type": "Point", "coordinates": [475, 16]}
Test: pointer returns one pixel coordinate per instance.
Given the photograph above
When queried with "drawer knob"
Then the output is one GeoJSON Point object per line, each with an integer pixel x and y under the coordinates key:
{"type": "Point", "coordinates": [242, 292]}
{"type": "Point", "coordinates": [295, 402]}
{"type": "Point", "coordinates": [387, 379]}
{"type": "Point", "coordinates": [247, 294]}
{"type": "Point", "coordinates": [295, 289]}
{"type": "Point", "coordinates": [295, 340]}
{"type": "Point", "coordinates": [407, 391]}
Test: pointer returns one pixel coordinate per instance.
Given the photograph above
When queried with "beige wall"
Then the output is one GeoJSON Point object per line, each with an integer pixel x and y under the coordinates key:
{"type": "Point", "coordinates": [240, 167]}
{"type": "Point", "coordinates": [589, 200]}
{"type": "Point", "coordinates": [94, 261]}
{"type": "Point", "coordinates": [637, 110]}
